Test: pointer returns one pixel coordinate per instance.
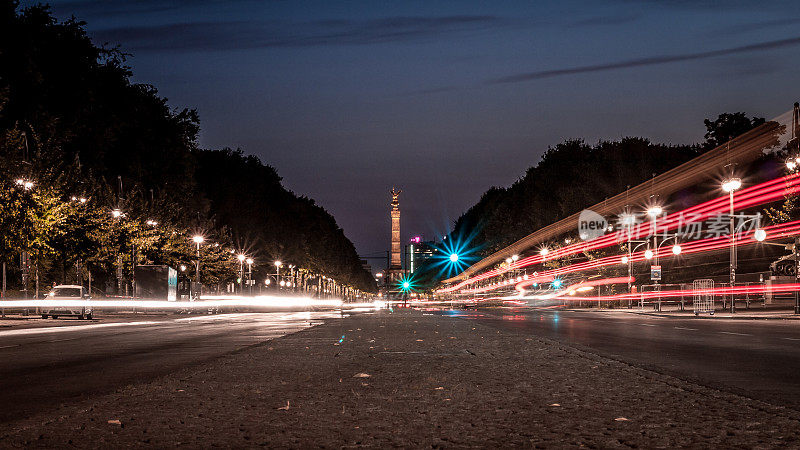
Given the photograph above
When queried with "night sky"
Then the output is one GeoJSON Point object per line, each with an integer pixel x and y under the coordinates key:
{"type": "Point", "coordinates": [445, 99]}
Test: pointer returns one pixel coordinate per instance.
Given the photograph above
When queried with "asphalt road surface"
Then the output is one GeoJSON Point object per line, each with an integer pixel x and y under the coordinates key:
{"type": "Point", "coordinates": [756, 358]}
{"type": "Point", "coordinates": [47, 366]}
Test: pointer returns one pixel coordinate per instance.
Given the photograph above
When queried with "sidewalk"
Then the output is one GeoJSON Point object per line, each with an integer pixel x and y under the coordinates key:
{"type": "Point", "coordinates": [410, 379]}
{"type": "Point", "coordinates": [755, 312]}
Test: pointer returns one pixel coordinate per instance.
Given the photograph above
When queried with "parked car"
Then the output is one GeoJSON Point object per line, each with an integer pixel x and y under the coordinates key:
{"type": "Point", "coordinates": [67, 292]}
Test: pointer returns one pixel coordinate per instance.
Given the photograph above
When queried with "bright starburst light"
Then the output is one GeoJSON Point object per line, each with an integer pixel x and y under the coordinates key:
{"type": "Point", "coordinates": [453, 255]}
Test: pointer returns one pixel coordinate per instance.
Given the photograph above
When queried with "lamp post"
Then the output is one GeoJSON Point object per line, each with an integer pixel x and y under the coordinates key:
{"type": "Point", "coordinates": [26, 185]}
{"type": "Point", "coordinates": [278, 265]}
{"type": "Point", "coordinates": [197, 239]}
{"type": "Point", "coordinates": [730, 186]}
{"type": "Point", "coordinates": [241, 259]}
{"type": "Point", "coordinates": [249, 275]}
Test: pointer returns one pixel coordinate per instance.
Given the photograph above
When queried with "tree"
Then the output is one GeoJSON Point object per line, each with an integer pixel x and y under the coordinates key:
{"type": "Point", "coordinates": [728, 126]}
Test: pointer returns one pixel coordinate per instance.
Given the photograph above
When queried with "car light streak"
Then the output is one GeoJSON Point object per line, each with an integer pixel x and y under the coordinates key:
{"type": "Point", "coordinates": [719, 291]}
{"type": "Point", "coordinates": [755, 195]}
{"type": "Point", "coordinates": [205, 302]}
{"type": "Point", "coordinates": [702, 245]}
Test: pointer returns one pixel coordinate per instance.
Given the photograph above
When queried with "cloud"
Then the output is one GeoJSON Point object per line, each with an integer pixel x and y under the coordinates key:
{"type": "Point", "coordinates": [604, 21]}
{"type": "Point", "coordinates": [758, 26]}
{"type": "Point", "coordinates": [650, 61]}
{"type": "Point", "coordinates": [105, 8]}
{"type": "Point", "coordinates": [210, 36]}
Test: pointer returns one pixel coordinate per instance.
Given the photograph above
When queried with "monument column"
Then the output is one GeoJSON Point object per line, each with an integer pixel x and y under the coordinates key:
{"type": "Point", "coordinates": [395, 266]}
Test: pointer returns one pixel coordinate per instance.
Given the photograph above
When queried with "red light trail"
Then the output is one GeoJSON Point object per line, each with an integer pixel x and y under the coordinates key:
{"type": "Point", "coordinates": [755, 195]}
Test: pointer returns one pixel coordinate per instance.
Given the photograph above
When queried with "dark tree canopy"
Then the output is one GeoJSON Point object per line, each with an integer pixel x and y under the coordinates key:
{"type": "Point", "coordinates": [87, 130]}
{"type": "Point", "coordinates": [728, 126]}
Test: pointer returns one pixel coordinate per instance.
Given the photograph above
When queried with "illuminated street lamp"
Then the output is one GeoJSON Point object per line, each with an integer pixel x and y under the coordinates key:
{"type": "Point", "coordinates": [515, 258]}
{"type": "Point", "coordinates": [278, 265]}
{"type": "Point", "coordinates": [654, 211]}
{"type": "Point", "coordinates": [544, 251]}
{"type": "Point", "coordinates": [197, 239]}
{"type": "Point", "coordinates": [241, 259]}
{"type": "Point", "coordinates": [730, 186]}
{"type": "Point", "coordinates": [116, 213]}
{"type": "Point", "coordinates": [249, 262]}
{"type": "Point", "coordinates": [454, 257]}
{"type": "Point", "coordinates": [676, 249]}
{"type": "Point", "coordinates": [760, 234]}
{"type": "Point", "coordinates": [25, 184]}
{"type": "Point", "coordinates": [648, 254]}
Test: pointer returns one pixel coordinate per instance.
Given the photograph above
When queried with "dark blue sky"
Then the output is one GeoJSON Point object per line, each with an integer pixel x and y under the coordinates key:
{"type": "Point", "coordinates": [445, 99]}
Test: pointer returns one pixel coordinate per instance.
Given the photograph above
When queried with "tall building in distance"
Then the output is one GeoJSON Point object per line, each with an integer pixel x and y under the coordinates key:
{"type": "Point", "coordinates": [395, 264]}
{"type": "Point", "coordinates": [417, 252]}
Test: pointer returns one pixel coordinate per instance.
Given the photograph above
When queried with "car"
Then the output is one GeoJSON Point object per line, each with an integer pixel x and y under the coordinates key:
{"type": "Point", "coordinates": [67, 292]}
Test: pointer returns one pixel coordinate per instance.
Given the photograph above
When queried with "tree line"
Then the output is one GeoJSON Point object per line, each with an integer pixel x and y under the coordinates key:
{"type": "Point", "coordinates": [79, 140]}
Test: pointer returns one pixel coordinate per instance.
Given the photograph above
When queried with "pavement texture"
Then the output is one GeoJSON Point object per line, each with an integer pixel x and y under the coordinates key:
{"type": "Point", "coordinates": [410, 379]}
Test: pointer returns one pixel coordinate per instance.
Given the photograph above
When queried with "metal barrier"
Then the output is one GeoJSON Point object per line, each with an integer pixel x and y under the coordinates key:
{"type": "Point", "coordinates": [748, 297]}
{"type": "Point", "coordinates": [657, 302]}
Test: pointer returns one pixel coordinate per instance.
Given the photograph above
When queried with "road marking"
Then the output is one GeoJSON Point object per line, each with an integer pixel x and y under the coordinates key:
{"type": "Point", "coordinates": [792, 339]}
{"type": "Point", "coordinates": [9, 346]}
{"type": "Point", "coordinates": [684, 328]}
{"type": "Point", "coordinates": [735, 334]}
{"type": "Point", "coordinates": [60, 340]}
{"type": "Point", "coordinates": [646, 324]}
{"type": "Point", "coordinates": [65, 328]}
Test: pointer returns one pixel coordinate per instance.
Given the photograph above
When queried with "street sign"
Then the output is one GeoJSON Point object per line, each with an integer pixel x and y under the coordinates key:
{"type": "Point", "coordinates": [655, 273]}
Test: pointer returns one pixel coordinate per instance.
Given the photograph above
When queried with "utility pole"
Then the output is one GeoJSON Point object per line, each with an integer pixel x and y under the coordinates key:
{"type": "Point", "coordinates": [797, 273]}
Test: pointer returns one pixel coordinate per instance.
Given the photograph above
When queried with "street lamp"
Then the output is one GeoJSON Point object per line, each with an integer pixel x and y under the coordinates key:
{"type": "Point", "coordinates": [249, 275]}
{"type": "Point", "coordinates": [730, 186]}
{"type": "Point", "coordinates": [197, 239]}
{"type": "Point", "coordinates": [25, 184]}
{"type": "Point", "coordinates": [241, 259]}
{"type": "Point", "coordinates": [453, 257]}
{"type": "Point", "coordinates": [278, 265]}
